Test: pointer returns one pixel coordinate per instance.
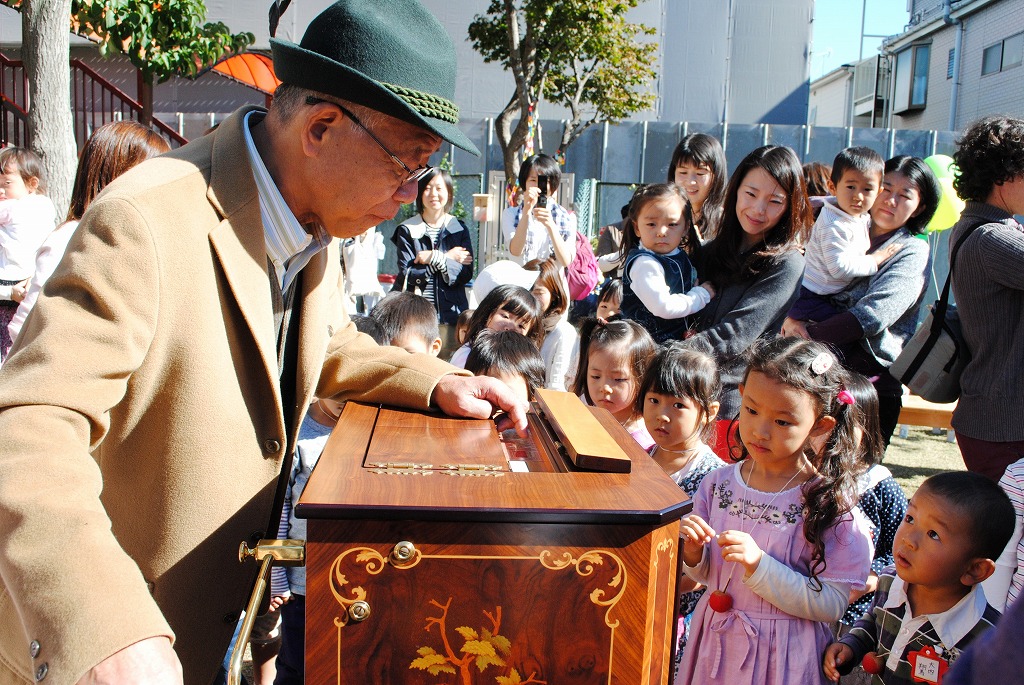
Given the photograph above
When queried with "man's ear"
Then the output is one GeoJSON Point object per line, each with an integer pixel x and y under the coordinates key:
{"type": "Point", "coordinates": [978, 569]}
{"type": "Point", "coordinates": [320, 119]}
{"type": "Point", "coordinates": [823, 426]}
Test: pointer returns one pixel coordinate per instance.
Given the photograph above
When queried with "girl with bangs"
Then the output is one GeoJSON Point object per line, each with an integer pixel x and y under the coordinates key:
{"type": "Point", "coordinates": [506, 308]}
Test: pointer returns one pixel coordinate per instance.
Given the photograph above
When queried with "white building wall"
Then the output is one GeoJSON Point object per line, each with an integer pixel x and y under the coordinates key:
{"type": "Point", "coordinates": [828, 101]}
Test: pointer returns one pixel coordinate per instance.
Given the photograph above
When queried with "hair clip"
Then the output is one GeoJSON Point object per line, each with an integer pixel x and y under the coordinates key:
{"type": "Point", "coordinates": [822, 363]}
{"type": "Point", "coordinates": [845, 397]}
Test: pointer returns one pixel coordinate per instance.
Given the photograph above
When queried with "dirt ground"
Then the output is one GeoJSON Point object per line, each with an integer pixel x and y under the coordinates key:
{"type": "Point", "coordinates": [919, 455]}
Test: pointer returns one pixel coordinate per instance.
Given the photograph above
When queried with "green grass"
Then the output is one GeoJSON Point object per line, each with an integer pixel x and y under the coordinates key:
{"type": "Point", "coordinates": [919, 455]}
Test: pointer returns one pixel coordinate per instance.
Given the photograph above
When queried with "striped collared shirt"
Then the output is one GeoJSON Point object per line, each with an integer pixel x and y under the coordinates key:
{"type": "Point", "coordinates": [289, 245]}
{"type": "Point", "coordinates": [888, 629]}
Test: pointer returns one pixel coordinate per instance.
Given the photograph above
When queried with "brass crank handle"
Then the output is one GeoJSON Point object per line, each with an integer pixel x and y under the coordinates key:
{"type": "Point", "coordinates": [285, 553]}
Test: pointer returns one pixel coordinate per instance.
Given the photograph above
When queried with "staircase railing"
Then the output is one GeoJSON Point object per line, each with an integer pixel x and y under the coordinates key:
{"type": "Point", "coordinates": [94, 102]}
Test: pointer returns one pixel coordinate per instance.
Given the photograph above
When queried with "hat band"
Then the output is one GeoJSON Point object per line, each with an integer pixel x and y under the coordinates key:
{"type": "Point", "coordinates": [426, 104]}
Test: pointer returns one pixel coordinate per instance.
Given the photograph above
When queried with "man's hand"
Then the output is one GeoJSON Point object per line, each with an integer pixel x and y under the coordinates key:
{"type": "Point", "coordinates": [150, 661]}
{"type": "Point", "coordinates": [477, 397]}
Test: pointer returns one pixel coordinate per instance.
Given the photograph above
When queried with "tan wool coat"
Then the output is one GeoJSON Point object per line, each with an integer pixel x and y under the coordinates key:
{"type": "Point", "coordinates": [142, 431]}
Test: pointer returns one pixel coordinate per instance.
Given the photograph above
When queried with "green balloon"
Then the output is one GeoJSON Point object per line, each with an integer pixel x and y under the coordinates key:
{"type": "Point", "coordinates": [948, 211]}
{"type": "Point", "coordinates": [941, 165]}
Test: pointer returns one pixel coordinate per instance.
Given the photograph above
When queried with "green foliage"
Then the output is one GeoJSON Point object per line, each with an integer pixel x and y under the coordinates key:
{"type": "Point", "coordinates": [582, 54]}
{"type": "Point", "coordinates": [162, 38]}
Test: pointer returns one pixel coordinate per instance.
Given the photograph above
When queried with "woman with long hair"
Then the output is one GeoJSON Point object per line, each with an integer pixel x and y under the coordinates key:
{"type": "Point", "coordinates": [755, 262]}
{"type": "Point", "coordinates": [113, 149]}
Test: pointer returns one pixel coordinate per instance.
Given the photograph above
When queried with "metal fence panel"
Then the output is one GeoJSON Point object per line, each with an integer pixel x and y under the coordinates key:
{"type": "Point", "coordinates": [740, 139]}
{"type": "Point", "coordinates": [662, 138]}
{"type": "Point", "coordinates": [622, 158]}
{"type": "Point", "coordinates": [825, 143]}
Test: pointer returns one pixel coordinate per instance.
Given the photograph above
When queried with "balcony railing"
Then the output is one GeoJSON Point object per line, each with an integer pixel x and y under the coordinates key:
{"type": "Point", "coordinates": [94, 102]}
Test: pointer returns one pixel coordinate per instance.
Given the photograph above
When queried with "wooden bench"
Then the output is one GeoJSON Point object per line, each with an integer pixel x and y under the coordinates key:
{"type": "Point", "coordinates": [920, 412]}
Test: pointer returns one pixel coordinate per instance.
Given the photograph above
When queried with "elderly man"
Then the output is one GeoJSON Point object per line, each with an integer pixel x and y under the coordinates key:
{"type": "Point", "coordinates": [155, 393]}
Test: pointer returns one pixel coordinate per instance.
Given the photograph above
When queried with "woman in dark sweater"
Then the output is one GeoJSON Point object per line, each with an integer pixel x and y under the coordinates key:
{"type": "Point", "coordinates": [754, 262]}
{"type": "Point", "coordinates": [880, 312]}
{"type": "Point", "coordinates": [435, 254]}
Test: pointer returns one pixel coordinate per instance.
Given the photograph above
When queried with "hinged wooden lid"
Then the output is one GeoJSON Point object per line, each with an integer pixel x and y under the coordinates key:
{"type": "Point", "coordinates": [586, 443]}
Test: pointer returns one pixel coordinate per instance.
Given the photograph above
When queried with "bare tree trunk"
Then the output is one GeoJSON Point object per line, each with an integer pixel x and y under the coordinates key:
{"type": "Point", "coordinates": [46, 52]}
{"type": "Point", "coordinates": [145, 95]}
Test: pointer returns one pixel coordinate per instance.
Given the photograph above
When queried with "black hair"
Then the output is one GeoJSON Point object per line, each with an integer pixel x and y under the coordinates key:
{"type": "Point", "coordinates": [611, 290]}
{"type": "Point", "coordinates": [682, 369]}
{"type": "Point", "coordinates": [365, 324]}
{"type": "Point", "coordinates": [862, 159]}
{"type": "Point", "coordinates": [702, 150]}
{"type": "Point", "coordinates": [509, 353]}
{"type": "Point", "coordinates": [427, 178]}
{"type": "Point", "coordinates": [818, 178]}
{"type": "Point", "coordinates": [928, 189]}
{"type": "Point", "coordinates": [404, 313]}
{"type": "Point", "coordinates": [515, 300]}
{"type": "Point", "coordinates": [990, 153]}
{"type": "Point", "coordinates": [812, 368]}
{"type": "Point", "coordinates": [983, 503]}
{"type": "Point", "coordinates": [866, 417]}
{"type": "Point", "coordinates": [725, 262]}
{"type": "Point", "coordinates": [545, 165]}
{"type": "Point", "coordinates": [626, 337]}
{"type": "Point", "coordinates": [643, 196]}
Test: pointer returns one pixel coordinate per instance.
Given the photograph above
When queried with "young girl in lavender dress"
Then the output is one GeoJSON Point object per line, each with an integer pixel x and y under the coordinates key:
{"type": "Point", "coordinates": [679, 402]}
{"type": "Point", "coordinates": [614, 356]}
{"type": "Point", "coordinates": [774, 537]}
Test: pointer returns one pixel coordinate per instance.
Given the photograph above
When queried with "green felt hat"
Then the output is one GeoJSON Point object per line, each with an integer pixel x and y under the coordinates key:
{"type": "Point", "coordinates": [392, 56]}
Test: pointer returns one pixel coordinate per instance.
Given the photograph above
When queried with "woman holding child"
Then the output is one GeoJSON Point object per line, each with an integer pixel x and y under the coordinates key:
{"type": "Point", "coordinates": [754, 262]}
{"type": "Point", "coordinates": [879, 313]}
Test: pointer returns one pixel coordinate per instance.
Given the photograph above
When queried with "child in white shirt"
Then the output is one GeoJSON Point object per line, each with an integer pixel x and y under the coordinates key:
{"type": "Point", "coordinates": [26, 218]}
{"type": "Point", "coordinates": [836, 251]}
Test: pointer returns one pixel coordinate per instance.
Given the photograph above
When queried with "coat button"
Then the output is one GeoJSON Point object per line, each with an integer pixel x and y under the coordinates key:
{"type": "Point", "coordinates": [231, 618]}
{"type": "Point", "coordinates": [41, 672]}
{"type": "Point", "coordinates": [33, 648]}
{"type": "Point", "coordinates": [330, 331]}
{"type": "Point", "coordinates": [271, 446]}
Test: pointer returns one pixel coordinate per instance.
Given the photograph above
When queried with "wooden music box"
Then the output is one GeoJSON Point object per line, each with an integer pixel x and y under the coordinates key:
{"type": "Point", "coordinates": [441, 552]}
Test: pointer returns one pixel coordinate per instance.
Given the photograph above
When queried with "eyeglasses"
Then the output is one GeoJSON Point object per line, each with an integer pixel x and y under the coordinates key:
{"type": "Point", "coordinates": [412, 176]}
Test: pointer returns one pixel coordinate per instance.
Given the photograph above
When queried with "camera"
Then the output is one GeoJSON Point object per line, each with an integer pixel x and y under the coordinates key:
{"type": "Point", "coordinates": [542, 183]}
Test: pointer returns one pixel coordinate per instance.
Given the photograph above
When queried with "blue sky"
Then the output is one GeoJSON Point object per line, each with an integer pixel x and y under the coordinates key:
{"type": "Point", "coordinates": [836, 33]}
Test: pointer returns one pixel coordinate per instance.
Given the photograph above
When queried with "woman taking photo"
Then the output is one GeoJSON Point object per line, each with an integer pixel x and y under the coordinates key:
{"type": "Point", "coordinates": [754, 262]}
{"type": "Point", "coordinates": [881, 311]}
{"type": "Point", "coordinates": [435, 254]}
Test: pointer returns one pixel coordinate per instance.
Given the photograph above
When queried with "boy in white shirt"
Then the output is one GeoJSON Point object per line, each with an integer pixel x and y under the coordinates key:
{"type": "Point", "coordinates": [836, 251]}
